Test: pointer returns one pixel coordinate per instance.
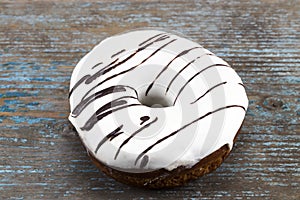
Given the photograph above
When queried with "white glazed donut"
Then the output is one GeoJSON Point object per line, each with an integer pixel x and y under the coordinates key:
{"type": "Point", "coordinates": [146, 100]}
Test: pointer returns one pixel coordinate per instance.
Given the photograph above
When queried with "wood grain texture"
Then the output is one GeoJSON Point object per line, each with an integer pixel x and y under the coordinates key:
{"type": "Point", "coordinates": [41, 41]}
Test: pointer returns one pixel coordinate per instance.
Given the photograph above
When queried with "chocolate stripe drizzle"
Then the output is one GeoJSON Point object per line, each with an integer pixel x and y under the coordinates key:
{"type": "Point", "coordinates": [132, 68]}
{"type": "Point", "coordinates": [85, 96]}
{"type": "Point", "coordinates": [113, 103]}
{"type": "Point", "coordinates": [125, 71]}
{"type": "Point", "coordinates": [210, 89]}
{"type": "Point", "coordinates": [173, 79]}
{"type": "Point", "coordinates": [84, 103]}
{"type": "Point", "coordinates": [110, 105]}
{"type": "Point", "coordinates": [119, 52]}
{"type": "Point", "coordinates": [151, 38]}
{"type": "Point", "coordinates": [165, 68]}
{"type": "Point", "coordinates": [181, 89]}
{"type": "Point", "coordinates": [89, 78]}
{"type": "Point", "coordinates": [97, 65]}
{"type": "Point", "coordinates": [97, 117]}
{"type": "Point", "coordinates": [144, 119]}
{"type": "Point", "coordinates": [100, 72]}
{"type": "Point", "coordinates": [175, 132]}
{"type": "Point", "coordinates": [78, 83]}
{"type": "Point", "coordinates": [137, 51]}
{"type": "Point", "coordinates": [242, 85]}
{"type": "Point", "coordinates": [133, 134]}
{"type": "Point", "coordinates": [109, 137]}
{"type": "Point", "coordinates": [144, 161]}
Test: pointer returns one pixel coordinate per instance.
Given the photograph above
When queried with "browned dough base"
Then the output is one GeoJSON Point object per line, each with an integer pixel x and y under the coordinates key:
{"type": "Point", "coordinates": [163, 178]}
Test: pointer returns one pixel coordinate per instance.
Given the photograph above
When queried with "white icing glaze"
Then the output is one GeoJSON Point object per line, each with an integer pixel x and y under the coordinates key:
{"type": "Point", "coordinates": [179, 71]}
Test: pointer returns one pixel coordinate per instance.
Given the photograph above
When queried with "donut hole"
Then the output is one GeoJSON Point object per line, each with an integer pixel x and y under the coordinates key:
{"type": "Point", "coordinates": [156, 97]}
{"type": "Point", "coordinates": [155, 101]}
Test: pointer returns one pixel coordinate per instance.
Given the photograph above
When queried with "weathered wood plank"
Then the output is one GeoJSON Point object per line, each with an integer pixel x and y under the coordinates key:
{"type": "Point", "coordinates": [41, 156]}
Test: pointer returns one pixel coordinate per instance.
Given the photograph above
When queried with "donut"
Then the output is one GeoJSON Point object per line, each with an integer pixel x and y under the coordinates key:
{"type": "Point", "coordinates": [154, 109]}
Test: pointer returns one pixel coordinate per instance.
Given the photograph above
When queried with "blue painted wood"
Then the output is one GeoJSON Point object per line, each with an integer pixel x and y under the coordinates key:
{"type": "Point", "coordinates": [42, 158]}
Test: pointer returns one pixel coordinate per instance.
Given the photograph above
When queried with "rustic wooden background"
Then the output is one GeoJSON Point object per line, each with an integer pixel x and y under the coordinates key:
{"type": "Point", "coordinates": [40, 43]}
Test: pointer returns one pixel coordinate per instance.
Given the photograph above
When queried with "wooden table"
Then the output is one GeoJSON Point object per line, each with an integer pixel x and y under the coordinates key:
{"type": "Point", "coordinates": [40, 43]}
